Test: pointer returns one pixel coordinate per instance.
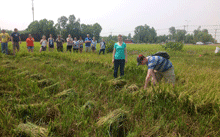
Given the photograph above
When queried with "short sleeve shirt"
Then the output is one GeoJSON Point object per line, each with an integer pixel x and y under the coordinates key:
{"type": "Point", "coordinates": [158, 63]}
{"type": "Point", "coordinates": [4, 37]}
{"type": "Point", "coordinates": [69, 43]}
{"type": "Point", "coordinates": [59, 42]}
{"type": "Point", "coordinates": [30, 42]}
{"type": "Point", "coordinates": [88, 44]}
{"type": "Point", "coordinates": [76, 44]}
{"type": "Point", "coordinates": [120, 54]}
{"type": "Point", "coordinates": [80, 41]}
{"type": "Point", "coordinates": [102, 45]}
{"type": "Point", "coordinates": [50, 40]}
{"type": "Point", "coordinates": [94, 43]}
{"type": "Point", "coordinates": [15, 36]}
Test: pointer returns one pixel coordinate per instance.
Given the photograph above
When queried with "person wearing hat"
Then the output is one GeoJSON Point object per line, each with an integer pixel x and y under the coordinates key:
{"type": "Point", "coordinates": [158, 67]}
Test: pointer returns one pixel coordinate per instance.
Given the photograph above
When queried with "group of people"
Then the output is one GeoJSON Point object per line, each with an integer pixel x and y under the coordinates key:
{"type": "Point", "coordinates": [158, 66]}
{"type": "Point", "coordinates": [72, 44]}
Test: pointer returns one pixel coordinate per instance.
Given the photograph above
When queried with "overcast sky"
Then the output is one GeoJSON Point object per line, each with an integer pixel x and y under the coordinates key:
{"type": "Point", "coordinates": [116, 16]}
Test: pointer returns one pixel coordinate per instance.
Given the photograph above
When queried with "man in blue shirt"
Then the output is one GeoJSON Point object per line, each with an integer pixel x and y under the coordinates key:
{"type": "Point", "coordinates": [15, 38]}
{"type": "Point", "coordinates": [158, 67]}
{"type": "Point", "coordinates": [88, 41]}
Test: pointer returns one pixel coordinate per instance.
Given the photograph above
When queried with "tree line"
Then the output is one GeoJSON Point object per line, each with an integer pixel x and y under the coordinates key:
{"type": "Point", "coordinates": [142, 33]}
{"type": "Point", "coordinates": [63, 27]}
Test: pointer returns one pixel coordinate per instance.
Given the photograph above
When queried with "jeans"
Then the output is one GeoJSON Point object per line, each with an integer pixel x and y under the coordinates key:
{"type": "Point", "coordinates": [117, 63]}
{"type": "Point", "coordinates": [5, 48]}
{"type": "Point", "coordinates": [102, 50]}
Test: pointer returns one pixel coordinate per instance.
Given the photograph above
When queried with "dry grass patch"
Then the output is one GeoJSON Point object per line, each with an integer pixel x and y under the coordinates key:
{"type": "Point", "coordinates": [30, 129]}
{"type": "Point", "coordinates": [115, 122]}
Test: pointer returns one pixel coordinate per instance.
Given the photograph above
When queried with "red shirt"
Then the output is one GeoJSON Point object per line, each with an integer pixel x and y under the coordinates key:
{"type": "Point", "coordinates": [30, 42]}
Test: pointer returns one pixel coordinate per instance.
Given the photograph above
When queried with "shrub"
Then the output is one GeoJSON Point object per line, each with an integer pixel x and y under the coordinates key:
{"type": "Point", "coordinates": [110, 46]}
{"type": "Point", "coordinates": [173, 46]}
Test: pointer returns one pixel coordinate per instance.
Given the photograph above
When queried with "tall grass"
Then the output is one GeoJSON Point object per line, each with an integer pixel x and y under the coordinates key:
{"type": "Point", "coordinates": [190, 109]}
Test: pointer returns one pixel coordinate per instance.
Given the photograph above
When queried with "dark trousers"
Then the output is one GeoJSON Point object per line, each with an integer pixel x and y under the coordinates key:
{"type": "Point", "coordinates": [102, 50]}
{"type": "Point", "coordinates": [60, 48]}
{"type": "Point", "coordinates": [117, 63]}
{"type": "Point", "coordinates": [69, 48]}
{"type": "Point", "coordinates": [4, 47]}
{"type": "Point", "coordinates": [75, 49]}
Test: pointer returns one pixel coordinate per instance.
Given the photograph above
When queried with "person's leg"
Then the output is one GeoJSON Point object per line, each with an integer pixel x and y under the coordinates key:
{"type": "Point", "coordinates": [122, 67]}
{"type": "Point", "coordinates": [32, 49]}
{"type": "Point", "coordinates": [100, 51]}
{"type": "Point", "coordinates": [103, 51]}
{"type": "Point", "coordinates": [3, 47]}
{"type": "Point", "coordinates": [6, 48]}
{"type": "Point", "coordinates": [158, 76]}
{"type": "Point", "coordinates": [14, 46]}
{"type": "Point", "coordinates": [169, 76]}
{"type": "Point", "coordinates": [18, 47]}
{"type": "Point", "coordinates": [116, 65]}
{"type": "Point", "coordinates": [41, 49]}
{"type": "Point", "coordinates": [61, 49]}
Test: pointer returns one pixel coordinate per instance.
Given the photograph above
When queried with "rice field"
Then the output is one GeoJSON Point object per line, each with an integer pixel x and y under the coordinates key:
{"type": "Point", "coordinates": [73, 94]}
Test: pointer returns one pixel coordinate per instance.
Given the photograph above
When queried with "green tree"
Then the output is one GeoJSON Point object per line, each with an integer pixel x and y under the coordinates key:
{"type": "Point", "coordinates": [172, 31]}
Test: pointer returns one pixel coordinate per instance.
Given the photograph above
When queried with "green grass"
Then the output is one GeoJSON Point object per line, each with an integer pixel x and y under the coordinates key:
{"type": "Point", "coordinates": [190, 109]}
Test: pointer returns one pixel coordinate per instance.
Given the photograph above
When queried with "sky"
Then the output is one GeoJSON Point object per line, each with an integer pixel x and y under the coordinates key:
{"type": "Point", "coordinates": [117, 16]}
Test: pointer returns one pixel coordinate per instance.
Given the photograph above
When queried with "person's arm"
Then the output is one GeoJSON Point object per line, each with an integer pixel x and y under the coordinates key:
{"type": "Point", "coordinates": [32, 39]}
{"type": "Point", "coordinates": [8, 38]}
{"type": "Point", "coordinates": [113, 57]}
{"type": "Point", "coordinates": [46, 44]}
{"type": "Point", "coordinates": [20, 39]}
{"type": "Point", "coordinates": [48, 41]}
{"type": "Point", "coordinates": [125, 52]}
{"type": "Point", "coordinates": [40, 41]}
{"type": "Point", "coordinates": [149, 74]}
{"type": "Point", "coordinates": [26, 42]}
{"type": "Point", "coordinates": [12, 40]}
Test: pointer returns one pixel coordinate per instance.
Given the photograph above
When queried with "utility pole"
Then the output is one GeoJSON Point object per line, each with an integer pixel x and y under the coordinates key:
{"type": "Point", "coordinates": [184, 34]}
{"type": "Point", "coordinates": [33, 8]}
{"type": "Point", "coordinates": [187, 21]}
{"type": "Point", "coordinates": [215, 34]}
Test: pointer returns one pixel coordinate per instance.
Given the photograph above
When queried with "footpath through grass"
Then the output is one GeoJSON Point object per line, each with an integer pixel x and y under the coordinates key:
{"type": "Point", "coordinates": [73, 94]}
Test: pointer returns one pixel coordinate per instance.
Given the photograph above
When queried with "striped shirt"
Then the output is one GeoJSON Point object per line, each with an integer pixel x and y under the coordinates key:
{"type": "Point", "coordinates": [158, 63]}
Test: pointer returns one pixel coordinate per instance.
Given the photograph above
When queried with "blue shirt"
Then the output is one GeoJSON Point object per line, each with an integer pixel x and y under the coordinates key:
{"type": "Point", "coordinates": [102, 45]}
{"type": "Point", "coordinates": [15, 36]}
{"type": "Point", "coordinates": [50, 41]}
{"type": "Point", "coordinates": [120, 51]}
{"type": "Point", "coordinates": [88, 44]}
{"type": "Point", "coordinates": [158, 63]}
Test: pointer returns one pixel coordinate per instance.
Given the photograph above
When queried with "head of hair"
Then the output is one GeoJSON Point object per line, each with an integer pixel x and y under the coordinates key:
{"type": "Point", "coordinates": [15, 29]}
{"type": "Point", "coordinates": [119, 35]}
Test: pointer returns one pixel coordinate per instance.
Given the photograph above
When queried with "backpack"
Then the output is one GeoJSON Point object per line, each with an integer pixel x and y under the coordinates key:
{"type": "Point", "coordinates": [162, 54]}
